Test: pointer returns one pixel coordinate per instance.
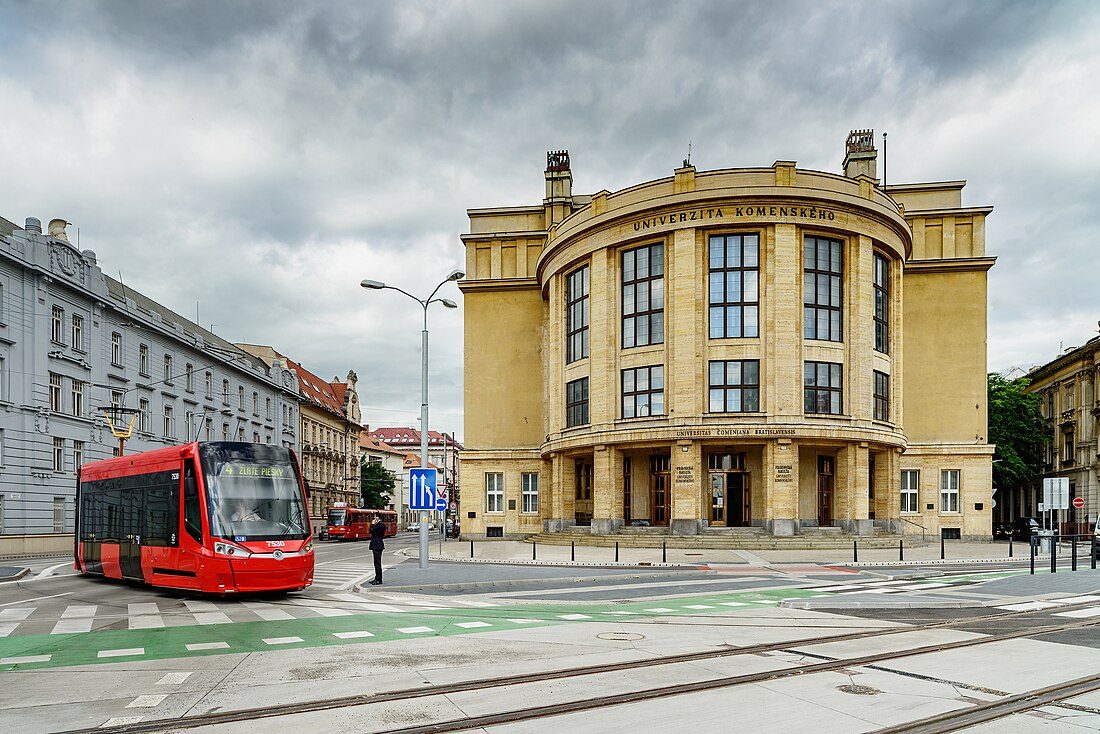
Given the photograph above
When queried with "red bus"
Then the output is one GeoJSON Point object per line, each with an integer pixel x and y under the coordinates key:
{"type": "Point", "coordinates": [353, 523]}
{"type": "Point", "coordinates": [214, 517]}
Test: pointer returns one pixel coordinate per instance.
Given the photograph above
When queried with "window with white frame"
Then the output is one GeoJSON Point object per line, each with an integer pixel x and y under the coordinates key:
{"type": "Point", "coordinates": [59, 514]}
{"type": "Point", "coordinates": [255, 404]}
{"type": "Point", "coordinates": [530, 492]}
{"type": "Point", "coordinates": [169, 422]}
{"type": "Point", "coordinates": [116, 398]}
{"type": "Point", "coordinates": [189, 371]}
{"type": "Point", "coordinates": [494, 492]}
{"type": "Point", "coordinates": [1, 449]}
{"type": "Point", "coordinates": [267, 413]}
{"type": "Point", "coordinates": [910, 482]}
{"type": "Point", "coordinates": [188, 424]}
{"type": "Point", "coordinates": [143, 415]}
{"type": "Point", "coordinates": [3, 379]}
{"type": "Point", "coordinates": [225, 392]}
{"type": "Point", "coordinates": [949, 490]}
{"type": "Point", "coordinates": [78, 397]}
{"type": "Point", "coordinates": [58, 454]}
{"type": "Point", "coordinates": [143, 360]}
{"type": "Point", "coordinates": [116, 349]}
{"type": "Point", "coordinates": [225, 431]}
{"type": "Point", "coordinates": [57, 325]}
{"type": "Point", "coordinates": [77, 334]}
{"type": "Point", "coordinates": [55, 392]}
{"type": "Point", "coordinates": [209, 386]}
{"type": "Point", "coordinates": [240, 396]}
{"type": "Point", "coordinates": [168, 369]}
{"type": "Point", "coordinates": [78, 455]}
{"type": "Point", "coordinates": [209, 429]}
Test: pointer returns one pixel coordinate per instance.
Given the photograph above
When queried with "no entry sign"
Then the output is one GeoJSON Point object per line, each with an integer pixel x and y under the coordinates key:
{"type": "Point", "coordinates": [1078, 502]}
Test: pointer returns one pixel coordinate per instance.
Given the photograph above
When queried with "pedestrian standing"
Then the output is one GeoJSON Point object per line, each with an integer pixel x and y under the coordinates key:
{"type": "Point", "coordinates": [377, 533]}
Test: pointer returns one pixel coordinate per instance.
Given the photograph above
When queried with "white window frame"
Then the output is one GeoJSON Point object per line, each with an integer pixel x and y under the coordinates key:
{"type": "Point", "coordinates": [78, 455]}
{"type": "Point", "coordinates": [910, 491]}
{"type": "Point", "coordinates": [116, 349]}
{"type": "Point", "coordinates": [529, 493]}
{"type": "Point", "coordinates": [143, 415]}
{"type": "Point", "coordinates": [57, 325]}
{"type": "Point", "coordinates": [59, 514]}
{"type": "Point", "coordinates": [168, 369]}
{"type": "Point", "coordinates": [78, 398]}
{"type": "Point", "coordinates": [494, 492]}
{"type": "Point", "coordinates": [58, 456]}
{"type": "Point", "coordinates": [55, 392]}
{"type": "Point", "coordinates": [77, 332]}
{"type": "Point", "coordinates": [169, 422]}
{"type": "Point", "coordinates": [950, 481]}
{"type": "Point", "coordinates": [143, 360]}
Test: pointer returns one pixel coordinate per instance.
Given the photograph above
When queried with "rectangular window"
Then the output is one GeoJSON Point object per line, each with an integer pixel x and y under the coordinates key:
{"type": "Point", "coordinates": [267, 403]}
{"type": "Point", "coordinates": [57, 325]}
{"type": "Point", "coordinates": [55, 392]}
{"type": "Point", "coordinates": [910, 481]}
{"type": "Point", "coordinates": [189, 372]}
{"type": "Point", "coordinates": [116, 349]}
{"type": "Point", "coordinates": [643, 391]}
{"type": "Point", "coordinates": [822, 387]}
{"type": "Point", "coordinates": [59, 514]}
{"type": "Point", "coordinates": [882, 304]}
{"type": "Point", "coordinates": [225, 392]}
{"type": "Point", "coordinates": [78, 398]}
{"type": "Point", "coordinates": [734, 386]}
{"type": "Point", "coordinates": [576, 315]}
{"type": "Point", "coordinates": [494, 492]}
{"type": "Point", "coordinates": [209, 429]}
{"type": "Point", "coordinates": [822, 274]}
{"type": "Point", "coordinates": [58, 454]}
{"type": "Point", "coordinates": [188, 424]}
{"type": "Point", "coordinates": [1, 460]}
{"type": "Point", "coordinates": [882, 396]}
{"type": "Point", "coordinates": [529, 501]}
{"type": "Point", "coordinates": [168, 369]}
{"type": "Point", "coordinates": [240, 396]}
{"type": "Point", "coordinates": [116, 398]}
{"type": "Point", "coordinates": [77, 339]}
{"type": "Point", "coordinates": [78, 455]}
{"type": "Point", "coordinates": [225, 431]}
{"type": "Point", "coordinates": [734, 292]}
{"type": "Point", "coordinates": [169, 422]}
{"type": "Point", "coordinates": [1068, 448]}
{"type": "Point", "coordinates": [949, 490]}
{"type": "Point", "coordinates": [576, 402]}
{"type": "Point", "coordinates": [255, 404]}
{"type": "Point", "coordinates": [143, 360]}
{"type": "Point", "coordinates": [209, 386]}
{"type": "Point", "coordinates": [143, 415]}
{"type": "Point", "coordinates": [644, 296]}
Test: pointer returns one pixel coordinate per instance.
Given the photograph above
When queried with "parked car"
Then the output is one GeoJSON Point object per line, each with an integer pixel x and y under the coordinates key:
{"type": "Point", "coordinates": [1001, 530]}
{"type": "Point", "coordinates": [414, 527]}
{"type": "Point", "coordinates": [1024, 527]}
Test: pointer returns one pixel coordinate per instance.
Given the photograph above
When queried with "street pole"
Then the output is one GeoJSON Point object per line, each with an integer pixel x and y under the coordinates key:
{"type": "Point", "coordinates": [424, 430]}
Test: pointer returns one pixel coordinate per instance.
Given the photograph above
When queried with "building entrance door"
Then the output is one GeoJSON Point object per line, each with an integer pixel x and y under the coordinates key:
{"type": "Point", "coordinates": [582, 501]}
{"type": "Point", "coordinates": [718, 500]}
{"type": "Point", "coordinates": [739, 500]}
{"type": "Point", "coordinates": [659, 489]}
{"type": "Point", "coordinates": [824, 491]}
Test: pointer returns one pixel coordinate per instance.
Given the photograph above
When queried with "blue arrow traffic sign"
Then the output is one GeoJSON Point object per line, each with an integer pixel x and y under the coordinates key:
{"type": "Point", "coordinates": [422, 489]}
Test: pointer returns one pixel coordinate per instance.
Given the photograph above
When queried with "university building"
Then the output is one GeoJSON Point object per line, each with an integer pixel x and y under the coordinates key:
{"type": "Point", "coordinates": [773, 348]}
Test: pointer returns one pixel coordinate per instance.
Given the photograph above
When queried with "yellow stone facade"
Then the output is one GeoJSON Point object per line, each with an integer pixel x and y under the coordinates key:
{"type": "Point", "coordinates": [535, 462]}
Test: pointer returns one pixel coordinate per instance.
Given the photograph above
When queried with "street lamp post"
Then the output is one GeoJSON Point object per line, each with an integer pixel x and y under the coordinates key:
{"type": "Point", "coordinates": [424, 303]}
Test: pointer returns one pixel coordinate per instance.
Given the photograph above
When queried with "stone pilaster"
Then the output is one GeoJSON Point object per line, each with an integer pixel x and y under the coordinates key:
{"type": "Point", "coordinates": [850, 500]}
{"type": "Point", "coordinates": [780, 477]}
{"type": "Point", "coordinates": [607, 494]}
{"type": "Point", "coordinates": [687, 477]}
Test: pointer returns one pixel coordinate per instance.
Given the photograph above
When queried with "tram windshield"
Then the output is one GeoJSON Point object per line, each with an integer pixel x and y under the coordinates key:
{"type": "Point", "coordinates": [255, 497]}
{"type": "Point", "coordinates": [336, 517]}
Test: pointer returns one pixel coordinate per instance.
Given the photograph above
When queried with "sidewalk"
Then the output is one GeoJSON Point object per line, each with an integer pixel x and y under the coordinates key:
{"type": "Point", "coordinates": [518, 552]}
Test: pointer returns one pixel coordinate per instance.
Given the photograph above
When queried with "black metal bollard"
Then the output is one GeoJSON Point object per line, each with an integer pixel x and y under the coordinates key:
{"type": "Point", "coordinates": [942, 552]}
{"type": "Point", "coordinates": [855, 552]}
{"type": "Point", "coordinates": [471, 549]}
{"type": "Point", "coordinates": [901, 549]}
{"type": "Point", "coordinates": [1010, 545]}
{"type": "Point", "coordinates": [664, 557]}
{"type": "Point", "coordinates": [1054, 553]}
{"type": "Point", "coordinates": [616, 552]}
{"type": "Point", "coordinates": [1092, 552]}
{"type": "Point", "coordinates": [534, 545]}
{"type": "Point", "coordinates": [1073, 562]}
{"type": "Point", "coordinates": [572, 550]}
{"type": "Point", "coordinates": [1033, 544]}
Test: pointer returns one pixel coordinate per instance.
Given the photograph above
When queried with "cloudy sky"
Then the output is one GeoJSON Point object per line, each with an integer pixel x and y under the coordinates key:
{"type": "Point", "coordinates": [248, 163]}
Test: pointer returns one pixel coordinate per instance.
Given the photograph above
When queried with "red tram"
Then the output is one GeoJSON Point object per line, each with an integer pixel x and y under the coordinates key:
{"type": "Point", "coordinates": [215, 517]}
{"type": "Point", "coordinates": [353, 523]}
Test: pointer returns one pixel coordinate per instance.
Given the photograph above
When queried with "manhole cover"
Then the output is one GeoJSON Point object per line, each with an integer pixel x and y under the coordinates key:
{"type": "Point", "coordinates": [620, 636]}
{"type": "Point", "coordinates": [858, 690]}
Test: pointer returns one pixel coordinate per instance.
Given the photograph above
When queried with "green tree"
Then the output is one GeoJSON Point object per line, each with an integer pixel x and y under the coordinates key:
{"type": "Point", "coordinates": [375, 485]}
{"type": "Point", "coordinates": [1016, 427]}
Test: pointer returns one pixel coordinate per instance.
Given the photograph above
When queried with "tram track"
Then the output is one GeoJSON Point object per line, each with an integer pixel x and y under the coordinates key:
{"type": "Point", "coordinates": [1037, 698]}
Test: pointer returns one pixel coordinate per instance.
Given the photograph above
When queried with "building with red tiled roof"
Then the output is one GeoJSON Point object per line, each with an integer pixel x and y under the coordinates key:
{"type": "Point", "coordinates": [329, 432]}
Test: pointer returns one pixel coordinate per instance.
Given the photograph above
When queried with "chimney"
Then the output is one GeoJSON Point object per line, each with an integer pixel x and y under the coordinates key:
{"type": "Point", "coordinates": [33, 226]}
{"type": "Point", "coordinates": [558, 203]}
{"type": "Point", "coordinates": [57, 229]}
{"type": "Point", "coordinates": [860, 156]}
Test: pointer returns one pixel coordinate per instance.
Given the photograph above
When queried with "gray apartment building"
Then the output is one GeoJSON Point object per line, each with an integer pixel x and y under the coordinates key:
{"type": "Point", "coordinates": [73, 341]}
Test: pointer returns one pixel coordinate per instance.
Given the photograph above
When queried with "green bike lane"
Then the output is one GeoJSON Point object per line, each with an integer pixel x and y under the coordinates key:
{"type": "Point", "coordinates": [31, 652]}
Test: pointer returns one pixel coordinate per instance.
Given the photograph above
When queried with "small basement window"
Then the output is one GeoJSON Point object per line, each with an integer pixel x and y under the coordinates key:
{"type": "Point", "coordinates": [494, 532]}
{"type": "Point", "coordinates": [951, 533]}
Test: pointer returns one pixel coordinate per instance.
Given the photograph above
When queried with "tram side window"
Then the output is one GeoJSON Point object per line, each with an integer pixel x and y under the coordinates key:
{"type": "Point", "coordinates": [112, 501]}
{"type": "Point", "coordinates": [160, 516]}
{"type": "Point", "coordinates": [192, 513]}
{"type": "Point", "coordinates": [131, 513]}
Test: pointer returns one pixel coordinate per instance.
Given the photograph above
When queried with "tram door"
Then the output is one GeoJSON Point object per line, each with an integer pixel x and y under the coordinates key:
{"type": "Point", "coordinates": [659, 491]}
{"type": "Point", "coordinates": [824, 491]}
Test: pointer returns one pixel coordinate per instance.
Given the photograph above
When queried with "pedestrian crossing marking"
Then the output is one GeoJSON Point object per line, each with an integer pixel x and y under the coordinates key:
{"type": "Point", "coordinates": [147, 701]}
{"type": "Point", "coordinates": [173, 679]}
{"type": "Point", "coordinates": [282, 640]}
{"type": "Point", "coordinates": [267, 612]}
{"type": "Point", "coordinates": [473, 625]}
{"type": "Point", "coordinates": [25, 659]}
{"type": "Point", "coordinates": [353, 635]}
{"type": "Point", "coordinates": [206, 612]}
{"type": "Point", "coordinates": [1080, 613]}
{"type": "Point", "coordinates": [414, 630]}
{"type": "Point", "coordinates": [16, 614]}
{"type": "Point", "coordinates": [198, 646]}
{"type": "Point", "coordinates": [120, 721]}
{"type": "Point", "coordinates": [125, 652]}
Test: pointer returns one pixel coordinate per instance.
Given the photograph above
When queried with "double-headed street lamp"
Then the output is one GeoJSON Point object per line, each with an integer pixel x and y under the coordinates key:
{"type": "Point", "coordinates": [424, 303]}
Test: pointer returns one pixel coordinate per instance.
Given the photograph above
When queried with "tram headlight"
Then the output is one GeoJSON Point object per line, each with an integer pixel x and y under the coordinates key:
{"type": "Point", "coordinates": [308, 548]}
{"type": "Point", "coordinates": [230, 550]}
